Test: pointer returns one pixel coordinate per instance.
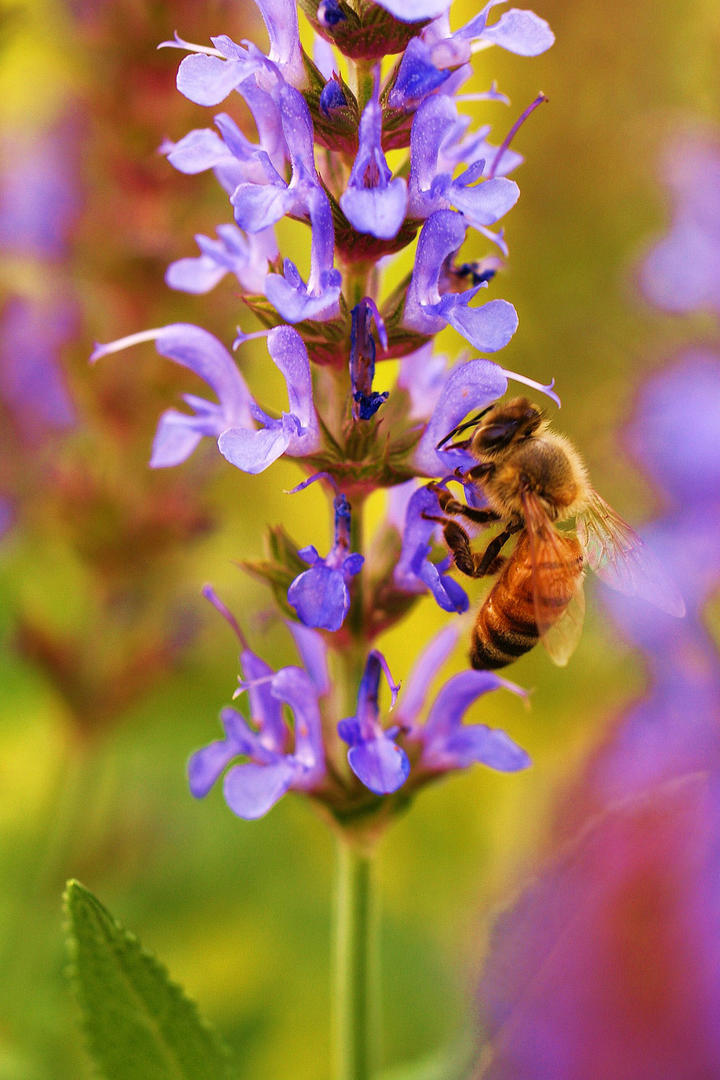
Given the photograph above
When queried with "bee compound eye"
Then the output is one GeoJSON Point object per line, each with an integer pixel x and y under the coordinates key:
{"type": "Point", "coordinates": [497, 434]}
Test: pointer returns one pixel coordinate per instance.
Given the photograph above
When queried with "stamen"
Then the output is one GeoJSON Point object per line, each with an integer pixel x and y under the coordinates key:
{"type": "Point", "coordinates": [242, 337]}
{"type": "Point", "coordinates": [125, 342]}
{"type": "Point", "coordinates": [311, 480]}
{"type": "Point", "coordinates": [180, 43]}
{"type": "Point", "coordinates": [513, 131]}
{"type": "Point", "coordinates": [544, 389]}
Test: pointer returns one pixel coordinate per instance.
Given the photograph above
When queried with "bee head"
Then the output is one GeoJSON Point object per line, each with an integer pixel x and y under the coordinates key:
{"type": "Point", "coordinates": [505, 425]}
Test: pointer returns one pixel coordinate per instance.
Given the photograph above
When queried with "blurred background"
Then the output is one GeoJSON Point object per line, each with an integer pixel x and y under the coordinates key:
{"type": "Point", "coordinates": [113, 669]}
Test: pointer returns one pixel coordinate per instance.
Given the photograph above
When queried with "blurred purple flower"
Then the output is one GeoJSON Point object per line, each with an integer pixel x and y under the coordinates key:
{"type": "Point", "coordinates": [320, 595]}
{"type": "Point", "coordinates": [609, 966]}
{"type": "Point", "coordinates": [32, 385]}
{"type": "Point", "coordinates": [682, 272]}
{"type": "Point", "coordinates": [279, 757]}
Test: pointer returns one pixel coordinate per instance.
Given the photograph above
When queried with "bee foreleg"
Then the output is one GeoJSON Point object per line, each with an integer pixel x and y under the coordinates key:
{"type": "Point", "coordinates": [466, 560]}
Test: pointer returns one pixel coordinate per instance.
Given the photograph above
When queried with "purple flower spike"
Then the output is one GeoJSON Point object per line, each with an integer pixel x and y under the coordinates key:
{"type": "Point", "coordinates": [232, 253]}
{"type": "Point", "coordinates": [320, 595]}
{"type": "Point", "coordinates": [374, 756]}
{"type": "Point", "coordinates": [296, 432]}
{"type": "Point", "coordinates": [414, 572]}
{"type": "Point", "coordinates": [488, 327]}
{"type": "Point", "coordinates": [178, 434]}
{"type": "Point", "coordinates": [372, 202]}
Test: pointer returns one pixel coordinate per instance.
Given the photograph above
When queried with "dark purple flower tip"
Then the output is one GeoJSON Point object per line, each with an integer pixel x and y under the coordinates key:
{"type": "Point", "coordinates": [362, 359]}
{"type": "Point", "coordinates": [332, 97]}
{"type": "Point", "coordinates": [329, 13]}
{"type": "Point", "coordinates": [417, 76]}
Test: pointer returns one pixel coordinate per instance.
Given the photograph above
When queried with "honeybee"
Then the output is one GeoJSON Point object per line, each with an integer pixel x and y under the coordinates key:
{"type": "Point", "coordinates": [532, 478]}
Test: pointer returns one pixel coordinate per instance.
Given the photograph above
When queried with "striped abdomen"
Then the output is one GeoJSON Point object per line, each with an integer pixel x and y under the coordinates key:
{"type": "Point", "coordinates": [507, 623]}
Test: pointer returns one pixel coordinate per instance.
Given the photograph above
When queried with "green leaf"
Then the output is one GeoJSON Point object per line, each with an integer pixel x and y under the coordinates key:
{"type": "Point", "coordinates": [138, 1023]}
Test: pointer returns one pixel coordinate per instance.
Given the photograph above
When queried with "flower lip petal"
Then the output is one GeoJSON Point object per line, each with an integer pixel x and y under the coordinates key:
{"type": "Point", "coordinates": [251, 790]}
{"type": "Point", "coordinates": [380, 764]}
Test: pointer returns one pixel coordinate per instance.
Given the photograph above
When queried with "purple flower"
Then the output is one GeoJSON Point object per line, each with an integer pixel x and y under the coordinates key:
{"type": "Point", "coordinates": [296, 432]}
{"type": "Point", "coordinates": [428, 309]}
{"type": "Point", "coordinates": [431, 188]}
{"type": "Point", "coordinates": [278, 757]}
{"type": "Point", "coordinates": [442, 743]}
{"type": "Point", "coordinates": [414, 572]}
{"type": "Point", "coordinates": [232, 253]}
{"type": "Point", "coordinates": [372, 202]}
{"type": "Point", "coordinates": [320, 595]}
{"type": "Point", "coordinates": [178, 434]}
{"type": "Point", "coordinates": [231, 421]}
{"type": "Point", "coordinates": [445, 743]}
{"type": "Point", "coordinates": [258, 205]}
{"type": "Point", "coordinates": [467, 387]}
{"type": "Point", "coordinates": [682, 272]}
{"type": "Point", "coordinates": [374, 756]}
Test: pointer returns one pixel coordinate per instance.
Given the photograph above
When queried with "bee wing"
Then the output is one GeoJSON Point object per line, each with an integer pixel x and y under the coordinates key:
{"type": "Point", "coordinates": [557, 579]}
{"type": "Point", "coordinates": [620, 558]}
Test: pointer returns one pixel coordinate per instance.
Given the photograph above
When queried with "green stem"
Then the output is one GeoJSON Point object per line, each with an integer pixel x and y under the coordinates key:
{"type": "Point", "coordinates": [355, 990]}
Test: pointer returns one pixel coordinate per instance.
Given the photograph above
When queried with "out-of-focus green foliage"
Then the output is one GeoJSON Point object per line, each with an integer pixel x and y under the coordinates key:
{"type": "Point", "coordinates": [240, 912]}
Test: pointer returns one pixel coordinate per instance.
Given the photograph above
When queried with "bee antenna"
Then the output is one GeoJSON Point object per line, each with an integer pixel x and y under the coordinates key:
{"type": "Point", "coordinates": [462, 427]}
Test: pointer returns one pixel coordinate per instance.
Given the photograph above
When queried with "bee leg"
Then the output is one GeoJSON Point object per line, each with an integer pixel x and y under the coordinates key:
{"type": "Point", "coordinates": [491, 560]}
{"type": "Point", "coordinates": [450, 505]}
{"type": "Point", "coordinates": [466, 560]}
